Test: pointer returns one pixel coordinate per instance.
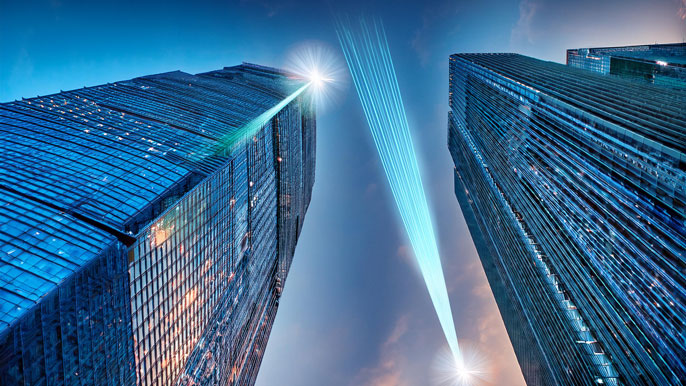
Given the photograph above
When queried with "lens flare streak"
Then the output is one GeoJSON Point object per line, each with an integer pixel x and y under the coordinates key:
{"type": "Point", "coordinates": [368, 56]}
{"type": "Point", "coordinates": [254, 126]}
{"type": "Point", "coordinates": [243, 133]}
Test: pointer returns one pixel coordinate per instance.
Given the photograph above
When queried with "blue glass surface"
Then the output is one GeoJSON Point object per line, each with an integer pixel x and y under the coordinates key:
{"type": "Point", "coordinates": [573, 185]}
{"type": "Point", "coordinates": [137, 244]}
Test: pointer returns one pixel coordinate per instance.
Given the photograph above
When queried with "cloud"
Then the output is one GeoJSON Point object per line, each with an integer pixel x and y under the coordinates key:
{"type": "Point", "coordinates": [371, 190]}
{"type": "Point", "coordinates": [425, 35]}
{"type": "Point", "coordinates": [488, 328]}
{"type": "Point", "coordinates": [271, 7]}
{"type": "Point", "coordinates": [682, 10]}
{"type": "Point", "coordinates": [398, 332]}
{"type": "Point", "coordinates": [389, 369]}
{"type": "Point", "coordinates": [406, 254]}
{"type": "Point", "coordinates": [523, 30]}
{"type": "Point", "coordinates": [22, 68]}
{"type": "Point", "coordinates": [501, 364]}
{"type": "Point", "coordinates": [482, 290]}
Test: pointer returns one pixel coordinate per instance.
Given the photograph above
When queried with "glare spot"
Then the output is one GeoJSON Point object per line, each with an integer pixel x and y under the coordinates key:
{"type": "Point", "coordinates": [318, 80]}
{"type": "Point", "coordinates": [470, 369]}
{"type": "Point", "coordinates": [322, 67]}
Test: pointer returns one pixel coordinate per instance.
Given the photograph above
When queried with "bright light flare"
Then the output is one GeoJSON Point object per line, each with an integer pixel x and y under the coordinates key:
{"type": "Point", "coordinates": [322, 66]}
{"type": "Point", "coordinates": [470, 369]}
{"type": "Point", "coordinates": [318, 80]}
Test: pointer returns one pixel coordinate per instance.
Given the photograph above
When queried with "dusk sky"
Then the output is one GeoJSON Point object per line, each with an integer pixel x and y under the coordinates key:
{"type": "Point", "coordinates": [355, 310]}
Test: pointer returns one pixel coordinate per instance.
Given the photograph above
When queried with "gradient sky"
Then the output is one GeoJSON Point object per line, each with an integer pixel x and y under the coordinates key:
{"type": "Point", "coordinates": [355, 310]}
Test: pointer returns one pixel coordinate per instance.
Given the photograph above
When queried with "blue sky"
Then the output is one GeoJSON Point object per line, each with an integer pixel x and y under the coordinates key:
{"type": "Point", "coordinates": [355, 310]}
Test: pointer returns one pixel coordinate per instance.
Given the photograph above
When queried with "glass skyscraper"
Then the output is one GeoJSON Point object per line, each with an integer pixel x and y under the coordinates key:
{"type": "Point", "coordinates": [147, 226]}
{"type": "Point", "coordinates": [662, 64]}
{"type": "Point", "coordinates": [573, 185]}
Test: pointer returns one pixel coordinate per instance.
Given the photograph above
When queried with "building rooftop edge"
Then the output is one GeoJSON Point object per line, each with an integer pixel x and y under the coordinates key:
{"type": "Point", "coordinates": [631, 46]}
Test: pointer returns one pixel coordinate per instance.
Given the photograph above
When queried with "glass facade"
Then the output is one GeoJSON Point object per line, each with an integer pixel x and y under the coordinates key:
{"type": "Point", "coordinates": [573, 185]}
{"type": "Point", "coordinates": [661, 64]}
{"type": "Point", "coordinates": [137, 244]}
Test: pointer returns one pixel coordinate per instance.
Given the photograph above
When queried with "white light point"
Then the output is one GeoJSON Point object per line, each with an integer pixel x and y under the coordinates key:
{"type": "Point", "coordinates": [469, 369]}
{"type": "Point", "coordinates": [318, 80]}
{"type": "Point", "coordinates": [464, 374]}
{"type": "Point", "coordinates": [322, 67]}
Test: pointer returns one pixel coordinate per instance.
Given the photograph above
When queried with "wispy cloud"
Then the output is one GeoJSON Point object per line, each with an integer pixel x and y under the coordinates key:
{"type": "Point", "coordinates": [22, 67]}
{"type": "Point", "coordinates": [523, 30]}
{"type": "Point", "coordinates": [425, 35]}
{"type": "Point", "coordinates": [482, 290]}
{"type": "Point", "coordinates": [389, 369]}
{"type": "Point", "coordinates": [371, 190]}
{"type": "Point", "coordinates": [682, 10]}
{"type": "Point", "coordinates": [271, 7]}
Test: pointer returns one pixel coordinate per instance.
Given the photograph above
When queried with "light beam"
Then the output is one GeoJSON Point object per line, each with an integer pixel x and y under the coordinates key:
{"type": "Point", "coordinates": [369, 60]}
{"type": "Point", "coordinates": [248, 130]}
{"type": "Point", "coordinates": [254, 126]}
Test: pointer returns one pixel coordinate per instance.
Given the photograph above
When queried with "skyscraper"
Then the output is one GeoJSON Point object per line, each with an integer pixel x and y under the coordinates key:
{"type": "Point", "coordinates": [573, 185]}
{"type": "Point", "coordinates": [662, 64]}
{"type": "Point", "coordinates": [147, 226]}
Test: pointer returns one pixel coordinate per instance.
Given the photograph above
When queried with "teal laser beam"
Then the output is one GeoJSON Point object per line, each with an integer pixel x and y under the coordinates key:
{"type": "Point", "coordinates": [232, 139]}
{"type": "Point", "coordinates": [251, 128]}
{"type": "Point", "coordinates": [246, 131]}
{"type": "Point", "coordinates": [368, 57]}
